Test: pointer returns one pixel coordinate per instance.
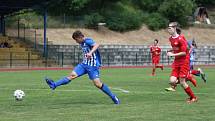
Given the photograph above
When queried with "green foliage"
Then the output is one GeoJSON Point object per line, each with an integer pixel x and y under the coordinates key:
{"type": "Point", "coordinates": [155, 21]}
{"type": "Point", "coordinates": [177, 10]}
{"type": "Point", "coordinates": [122, 17]}
{"type": "Point", "coordinates": [205, 2]}
{"type": "Point", "coordinates": [148, 5]}
{"type": "Point", "coordinates": [69, 7]}
{"type": "Point", "coordinates": [93, 19]}
{"type": "Point", "coordinates": [29, 19]}
{"type": "Point", "coordinates": [76, 5]}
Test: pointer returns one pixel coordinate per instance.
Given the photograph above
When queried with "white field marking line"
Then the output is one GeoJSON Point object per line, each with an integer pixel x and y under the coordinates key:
{"type": "Point", "coordinates": [119, 90]}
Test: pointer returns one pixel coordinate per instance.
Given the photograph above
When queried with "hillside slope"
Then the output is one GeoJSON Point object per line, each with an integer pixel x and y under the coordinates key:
{"type": "Point", "coordinates": [145, 36]}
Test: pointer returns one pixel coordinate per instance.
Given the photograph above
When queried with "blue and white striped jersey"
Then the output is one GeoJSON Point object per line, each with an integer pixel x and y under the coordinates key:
{"type": "Point", "coordinates": [192, 50]}
{"type": "Point", "coordinates": [86, 46]}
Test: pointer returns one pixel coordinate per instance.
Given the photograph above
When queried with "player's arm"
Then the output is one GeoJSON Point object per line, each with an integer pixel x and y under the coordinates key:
{"type": "Point", "coordinates": [159, 51]}
{"type": "Point", "coordinates": [95, 47]}
{"type": "Point", "coordinates": [176, 54]}
{"type": "Point", "coordinates": [151, 51]}
{"type": "Point", "coordinates": [183, 50]}
{"type": "Point", "coordinates": [170, 50]}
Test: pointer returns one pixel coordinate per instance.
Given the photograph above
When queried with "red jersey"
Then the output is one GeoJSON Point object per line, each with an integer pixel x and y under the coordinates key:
{"type": "Point", "coordinates": [179, 44]}
{"type": "Point", "coordinates": [155, 50]}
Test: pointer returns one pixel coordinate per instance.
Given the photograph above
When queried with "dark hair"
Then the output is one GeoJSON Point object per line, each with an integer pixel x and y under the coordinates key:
{"type": "Point", "coordinates": [77, 34]}
{"type": "Point", "coordinates": [156, 40]}
{"type": "Point", "coordinates": [202, 12]}
{"type": "Point", "coordinates": [194, 43]}
{"type": "Point", "coordinates": [177, 26]}
{"type": "Point", "coordinates": [178, 30]}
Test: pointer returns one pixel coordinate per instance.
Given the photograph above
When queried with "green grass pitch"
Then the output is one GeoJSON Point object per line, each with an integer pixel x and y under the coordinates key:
{"type": "Point", "coordinates": [81, 101]}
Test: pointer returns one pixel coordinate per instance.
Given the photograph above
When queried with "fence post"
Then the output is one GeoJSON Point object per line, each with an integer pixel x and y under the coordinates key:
{"type": "Point", "coordinates": [168, 60]}
{"type": "Point", "coordinates": [58, 58]}
{"type": "Point", "coordinates": [74, 55]}
{"type": "Point", "coordinates": [35, 39]}
{"type": "Point", "coordinates": [149, 58]}
{"type": "Point", "coordinates": [18, 26]}
{"type": "Point", "coordinates": [209, 57]}
{"type": "Point", "coordinates": [11, 60]}
{"type": "Point", "coordinates": [46, 61]}
{"type": "Point", "coordinates": [24, 32]}
{"type": "Point", "coordinates": [136, 59]}
{"type": "Point", "coordinates": [78, 56]}
{"type": "Point", "coordinates": [62, 57]}
{"type": "Point", "coordinates": [108, 59]}
{"type": "Point", "coordinates": [29, 59]}
{"type": "Point", "coordinates": [122, 58]}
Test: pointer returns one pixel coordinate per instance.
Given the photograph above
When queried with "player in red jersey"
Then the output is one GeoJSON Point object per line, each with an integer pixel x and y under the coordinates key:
{"type": "Point", "coordinates": [199, 72]}
{"type": "Point", "coordinates": [180, 66]}
{"type": "Point", "coordinates": [155, 51]}
{"type": "Point", "coordinates": [190, 76]}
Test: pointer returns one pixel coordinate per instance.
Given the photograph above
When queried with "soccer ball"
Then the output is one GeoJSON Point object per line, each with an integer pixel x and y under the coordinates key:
{"type": "Point", "coordinates": [19, 95]}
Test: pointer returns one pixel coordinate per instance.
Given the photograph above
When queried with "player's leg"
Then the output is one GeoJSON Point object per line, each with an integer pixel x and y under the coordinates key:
{"type": "Point", "coordinates": [192, 98]}
{"type": "Point", "coordinates": [203, 75]}
{"type": "Point", "coordinates": [158, 65]}
{"type": "Point", "coordinates": [191, 65]}
{"type": "Point", "coordinates": [191, 78]}
{"type": "Point", "coordinates": [78, 71]}
{"type": "Point", "coordinates": [184, 70]}
{"type": "Point", "coordinates": [192, 71]}
{"type": "Point", "coordinates": [94, 76]}
{"type": "Point", "coordinates": [153, 69]}
{"type": "Point", "coordinates": [199, 72]}
{"type": "Point", "coordinates": [173, 79]}
{"type": "Point", "coordinates": [195, 72]}
{"type": "Point", "coordinates": [173, 84]}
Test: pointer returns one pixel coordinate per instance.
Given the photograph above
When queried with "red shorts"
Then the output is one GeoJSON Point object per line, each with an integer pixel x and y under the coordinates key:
{"type": "Point", "coordinates": [156, 60]}
{"type": "Point", "coordinates": [180, 71]}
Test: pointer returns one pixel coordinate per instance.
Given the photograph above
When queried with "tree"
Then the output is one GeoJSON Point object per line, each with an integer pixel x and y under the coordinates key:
{"type": "Point", "coordinates": [148, 5]}
{"type": "Point", "coordinates": [205, 2]}
{"type": "Point", "coordinates": [177, 10]}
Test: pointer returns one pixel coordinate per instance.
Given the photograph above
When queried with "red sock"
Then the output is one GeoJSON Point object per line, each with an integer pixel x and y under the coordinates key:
{"type": "Point", "coordinates": [159, 66]}
{"type": "Point", "coordinates": [189, 92]}
{"type": "Point", "coordinates": [191, 79]}
{"type": "Point", "coordinates": [195, 72]}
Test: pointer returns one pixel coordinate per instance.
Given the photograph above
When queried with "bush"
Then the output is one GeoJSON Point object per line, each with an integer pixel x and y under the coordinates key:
{"type": "Point", "coordinates": [93, 19]}
{"type": "Point", "coordinates": [148, 5]}
{"type": "Point", "coordinates": [205, 2]}
{"type": "Point", "coordinates": [155, 21]}
{"type": "Point", "coordinates": [120, 17]}
{"type": "Point", "coordinates": [177, 10]}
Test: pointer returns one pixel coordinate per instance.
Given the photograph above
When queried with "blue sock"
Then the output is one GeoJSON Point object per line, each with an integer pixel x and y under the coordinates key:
{"type": "Point", "coordinates": [106, 90]}
{"type": "Point", "coordinates": [62, 81]}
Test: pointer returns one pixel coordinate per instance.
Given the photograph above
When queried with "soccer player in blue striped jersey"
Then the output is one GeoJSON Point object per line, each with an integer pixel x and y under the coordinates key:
{"type": "Point", "coordinates": [90, 65]}
{"type": "Point", "coordinates": [192, 46]}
